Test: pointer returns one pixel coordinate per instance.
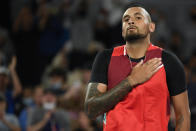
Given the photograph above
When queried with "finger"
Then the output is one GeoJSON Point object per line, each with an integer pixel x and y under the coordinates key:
{"type": "Point", "coordinates": [158, 61]}
{"type": "Point", "coordinates": [153, 72]}
{"type": "Point", "coordinates": [149, 62]}
{"type": "Point", "coordinates": [140, 63]}
{"type": "Point", "coordinates": [156, 65]}
{"type": "Point", "coordinates": [153, 61]}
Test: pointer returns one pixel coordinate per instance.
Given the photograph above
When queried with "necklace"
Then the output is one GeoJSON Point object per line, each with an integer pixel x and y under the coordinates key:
{"type": "Point", "coordinates": [132, 59]}
{"type": "Point", "coordinates": [136, 60]}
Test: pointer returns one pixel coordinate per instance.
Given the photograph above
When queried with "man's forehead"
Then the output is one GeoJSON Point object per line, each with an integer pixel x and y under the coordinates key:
{"type": "Point", "coordinates": [134, 10]}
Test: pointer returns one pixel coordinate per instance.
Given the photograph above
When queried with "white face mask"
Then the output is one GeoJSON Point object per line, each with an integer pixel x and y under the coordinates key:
{"type": "Point", "coordinates": [49, 105]}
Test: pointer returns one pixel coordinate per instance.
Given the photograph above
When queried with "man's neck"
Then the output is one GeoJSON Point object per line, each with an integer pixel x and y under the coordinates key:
{"type": "Point", "coordinates": [137, 49]}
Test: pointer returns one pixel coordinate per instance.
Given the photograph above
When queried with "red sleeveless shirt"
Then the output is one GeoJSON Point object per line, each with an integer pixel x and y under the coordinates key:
{"type": "Point", "coordinates": [147, 106]}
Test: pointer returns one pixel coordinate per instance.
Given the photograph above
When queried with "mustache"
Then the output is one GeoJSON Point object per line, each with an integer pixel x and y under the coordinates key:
{"type": "Point", "coordinates": [132, 27]}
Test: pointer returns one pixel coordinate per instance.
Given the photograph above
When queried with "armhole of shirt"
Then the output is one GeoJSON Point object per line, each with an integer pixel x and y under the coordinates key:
{"type": "Point", "coordinates": [175, 74]}
{"type": "Point", "coordinates": [99, 73]}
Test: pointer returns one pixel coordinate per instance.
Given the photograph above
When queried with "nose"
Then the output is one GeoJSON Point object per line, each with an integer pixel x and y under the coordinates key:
{"type": "Point", "coordinates": [131, 22]}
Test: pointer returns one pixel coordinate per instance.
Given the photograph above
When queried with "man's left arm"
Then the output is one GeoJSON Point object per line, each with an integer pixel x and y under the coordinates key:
{"type": "Point", "coordinates": [182, 112]}
{"type": "Point", "coordinates": [177, 87]}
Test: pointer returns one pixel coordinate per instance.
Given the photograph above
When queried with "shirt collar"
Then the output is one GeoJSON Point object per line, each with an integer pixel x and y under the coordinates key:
{"type": "Point", "coordinates": [125, 51]}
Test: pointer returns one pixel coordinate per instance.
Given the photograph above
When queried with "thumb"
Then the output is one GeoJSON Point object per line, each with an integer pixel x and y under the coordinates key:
{"type": "Point", "coordinates": [140, 63]}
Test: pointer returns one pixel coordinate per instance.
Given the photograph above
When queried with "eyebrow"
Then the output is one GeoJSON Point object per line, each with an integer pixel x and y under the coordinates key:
{"type": "Point", "coordinates": [137, 13]}
{"type": "Point", "coordinates": [125, 16]}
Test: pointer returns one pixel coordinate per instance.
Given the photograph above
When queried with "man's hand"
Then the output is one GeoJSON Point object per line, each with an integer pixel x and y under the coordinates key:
{"type": "Point", "coordinates": [144, 71]}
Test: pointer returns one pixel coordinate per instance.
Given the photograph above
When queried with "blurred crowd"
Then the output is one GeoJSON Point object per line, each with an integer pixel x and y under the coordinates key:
{"type": "Point", "coordinates": [47, 48]}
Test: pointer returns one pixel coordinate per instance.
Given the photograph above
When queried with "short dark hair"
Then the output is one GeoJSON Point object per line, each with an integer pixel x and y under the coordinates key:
{"type": "Point", "coordinates": [134, 4]}
{"type": "Point", "coordinates": [55, 92]}
{"type": "Point", "coordinates": [137, 4]}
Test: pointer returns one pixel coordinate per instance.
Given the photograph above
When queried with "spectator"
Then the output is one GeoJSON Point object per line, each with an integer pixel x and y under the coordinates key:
{"type": "Point", "coordinates": [10, 87]}
{"type": "Point", "coordinates": [48, 116]}
{"type": "Point", "coordinates": [53, 34]}
{"type": "Point", "coordinates": [83, 16]}
{"type": "Point", "coordinates": [8, 122]}
{"type": "Point", "coordinates": [27, 97]}
{"type": "Point", "coordinates": [36, 102]}
{"type": "Point", "coordinates": [114, 9]}
{"type": "Point", "coordinates": [25, 36]}
{"type": "Point", "coordinates": [55, 78]}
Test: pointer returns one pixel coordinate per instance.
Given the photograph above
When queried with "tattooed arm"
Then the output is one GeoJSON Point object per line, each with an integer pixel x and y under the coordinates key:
{"type": "Point", "coordinates": [99, 101]}
{"type": "Point", "coordinates": [182, 112]}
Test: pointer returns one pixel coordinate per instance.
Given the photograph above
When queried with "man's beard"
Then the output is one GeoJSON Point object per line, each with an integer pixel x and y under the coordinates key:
{"type": "Point", "coordinates": [134, 37]}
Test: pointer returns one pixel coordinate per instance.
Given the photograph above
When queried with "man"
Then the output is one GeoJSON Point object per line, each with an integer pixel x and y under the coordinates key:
{"type": "Point", "coordinates": [48, 117]}
{"type": "Point", "coordinates": [35, 102]}
{"type": "Point", "coordinates": [10, 86]}
{"type": "Point", "coordinates": [8, 122]}
{"type": "Point", "coordinates": [133, 83]}
{"type": "Point", "coordinates": [57, 78]}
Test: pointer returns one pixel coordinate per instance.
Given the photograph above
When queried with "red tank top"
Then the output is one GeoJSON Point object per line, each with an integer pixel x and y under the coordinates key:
{"type": "Point", "coordinates": [147, 106]}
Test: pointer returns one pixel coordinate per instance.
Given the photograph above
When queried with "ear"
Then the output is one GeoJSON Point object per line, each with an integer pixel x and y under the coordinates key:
{"type": "Point", "coordinates": [152, 27]}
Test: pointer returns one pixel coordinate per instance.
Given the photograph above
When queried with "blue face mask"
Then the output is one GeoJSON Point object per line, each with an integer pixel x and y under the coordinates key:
{"type": "Point", "coordinates": [28, 101]}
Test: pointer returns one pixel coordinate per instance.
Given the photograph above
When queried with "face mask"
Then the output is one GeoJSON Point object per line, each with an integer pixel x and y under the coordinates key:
{"type": "Point", "coordinates": [49, 105]}
{"type": "Point", "coordinates": [57, 85]}
{"type": "Point", "coordinates": [28, 101]}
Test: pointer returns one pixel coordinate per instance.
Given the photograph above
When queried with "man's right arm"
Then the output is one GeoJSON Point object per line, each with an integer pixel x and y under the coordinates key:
{"type": "Point", "coordinates": [99, 100]}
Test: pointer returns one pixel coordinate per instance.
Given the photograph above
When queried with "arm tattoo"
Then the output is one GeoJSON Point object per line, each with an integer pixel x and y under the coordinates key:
{"type": "Point", "coordinates": [97, 103]}
{"type": "Point", "coordinates": [179, 123]}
